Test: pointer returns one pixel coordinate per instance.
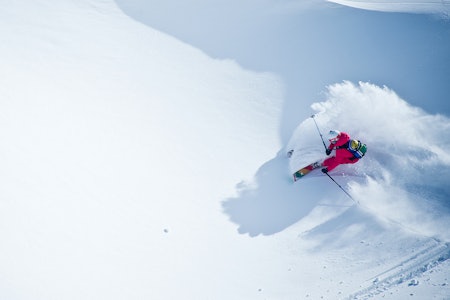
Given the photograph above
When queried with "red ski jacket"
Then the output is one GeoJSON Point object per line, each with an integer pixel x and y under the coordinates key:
{"type": "Point", "coordinates": [342, 156]}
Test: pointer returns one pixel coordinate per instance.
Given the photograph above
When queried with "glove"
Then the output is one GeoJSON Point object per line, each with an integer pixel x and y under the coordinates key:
{"type": "Point", "coordinates": [328, 151]}
{"type": "Point", "coordinates": [289, 154]}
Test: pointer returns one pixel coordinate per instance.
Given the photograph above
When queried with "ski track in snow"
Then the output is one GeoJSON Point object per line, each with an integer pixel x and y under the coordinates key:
{"type": "Point", "coordinates": [96, 208]}
{"type": "Point", "coordinates": [382, 192]}
{"type": "Point", "coordinates": [412, 267]}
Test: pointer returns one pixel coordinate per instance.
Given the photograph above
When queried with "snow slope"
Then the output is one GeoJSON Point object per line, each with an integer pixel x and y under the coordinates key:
{"type": "Point", "coordinates": [401, 218]}
{"type": "Point", "coordinates": [407, 161]}
{"type": "Point", "coordinates": [311, 44]}
{"type": "Point", "coordinates": [114, 133]}
{"type": "Point", "coordinates": [135, 166]}
{"type": "Point", "coordinates": [441, 8]}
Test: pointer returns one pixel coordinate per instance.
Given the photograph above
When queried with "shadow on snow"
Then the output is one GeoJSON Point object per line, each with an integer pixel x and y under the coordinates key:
{"type": "Point", "coordinates": [274, 204]}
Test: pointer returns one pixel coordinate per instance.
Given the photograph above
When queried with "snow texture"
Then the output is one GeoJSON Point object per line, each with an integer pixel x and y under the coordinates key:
{"type": "Point", "coordinates": [441, 8]}
{"type": "Point", "coordinates": [136, 165]}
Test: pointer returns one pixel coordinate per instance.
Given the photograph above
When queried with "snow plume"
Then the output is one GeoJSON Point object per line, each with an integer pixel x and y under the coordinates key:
{"type": "Point", "coordinates": [407, 166]}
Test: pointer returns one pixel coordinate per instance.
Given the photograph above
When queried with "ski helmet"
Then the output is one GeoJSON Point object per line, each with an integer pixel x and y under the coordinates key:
{"type": "Point", "coordinates": [355, 145]}
{"type": "Point", "coordinates": [333, 135]}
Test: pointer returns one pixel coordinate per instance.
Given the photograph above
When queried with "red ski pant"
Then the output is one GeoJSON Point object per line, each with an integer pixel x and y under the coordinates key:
{"type": "Point", "coordinates": [343, 156]}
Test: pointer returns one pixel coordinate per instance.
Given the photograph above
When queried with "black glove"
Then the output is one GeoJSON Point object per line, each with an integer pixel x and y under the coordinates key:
{"type": "Point", "coordinates": [289, 154]}
{"type": "Point", "coordinates": [328, 151]}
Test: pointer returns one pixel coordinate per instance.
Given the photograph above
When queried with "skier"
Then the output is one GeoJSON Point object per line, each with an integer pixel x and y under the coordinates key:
{"type": "Point", "coordinates": [348, 151]}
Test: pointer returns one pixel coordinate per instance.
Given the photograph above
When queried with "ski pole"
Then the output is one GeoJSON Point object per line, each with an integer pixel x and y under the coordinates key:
{"type": "Point", "coordinates": [341, 187]}
{"type": "Point", "coordinates": [321, 137]}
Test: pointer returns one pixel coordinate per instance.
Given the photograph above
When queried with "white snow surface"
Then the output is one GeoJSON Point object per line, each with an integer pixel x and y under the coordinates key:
{"type": "Point", "coordinates": [134, 166]}
{"type": "Point", "coordinates": [438, 7]}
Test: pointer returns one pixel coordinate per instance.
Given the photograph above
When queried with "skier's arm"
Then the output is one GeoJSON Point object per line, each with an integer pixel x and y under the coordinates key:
{"type": "Point", "coordinates": [343, 138]}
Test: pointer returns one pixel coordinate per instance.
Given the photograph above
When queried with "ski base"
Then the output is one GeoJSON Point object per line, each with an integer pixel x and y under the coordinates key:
{"type": "Point", "coordinates": [305, 170]}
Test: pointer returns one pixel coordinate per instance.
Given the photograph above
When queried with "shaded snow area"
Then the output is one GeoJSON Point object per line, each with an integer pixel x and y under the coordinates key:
{"type": "Point", "coordinates": [135, 166]}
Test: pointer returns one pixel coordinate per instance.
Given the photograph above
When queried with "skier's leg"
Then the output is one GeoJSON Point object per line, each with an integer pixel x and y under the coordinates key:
{"type": "Point", "coordinates": [330, 163]}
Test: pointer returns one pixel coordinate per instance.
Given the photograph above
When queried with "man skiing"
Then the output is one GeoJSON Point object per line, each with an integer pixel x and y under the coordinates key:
{"type": "Point", "coordinates": [348, 151]}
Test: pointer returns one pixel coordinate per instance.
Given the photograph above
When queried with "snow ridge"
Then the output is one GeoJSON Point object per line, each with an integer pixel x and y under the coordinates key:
{"type": "Point", "coordinates": [413, 6]}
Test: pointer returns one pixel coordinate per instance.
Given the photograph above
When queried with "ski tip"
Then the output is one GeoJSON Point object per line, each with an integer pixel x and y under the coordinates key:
{"type": "Point", "coordinates": [297, 176]}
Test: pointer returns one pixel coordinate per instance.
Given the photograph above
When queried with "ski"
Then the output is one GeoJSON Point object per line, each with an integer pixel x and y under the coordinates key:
{"type": "Point", "coordinates": [305, 170]}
